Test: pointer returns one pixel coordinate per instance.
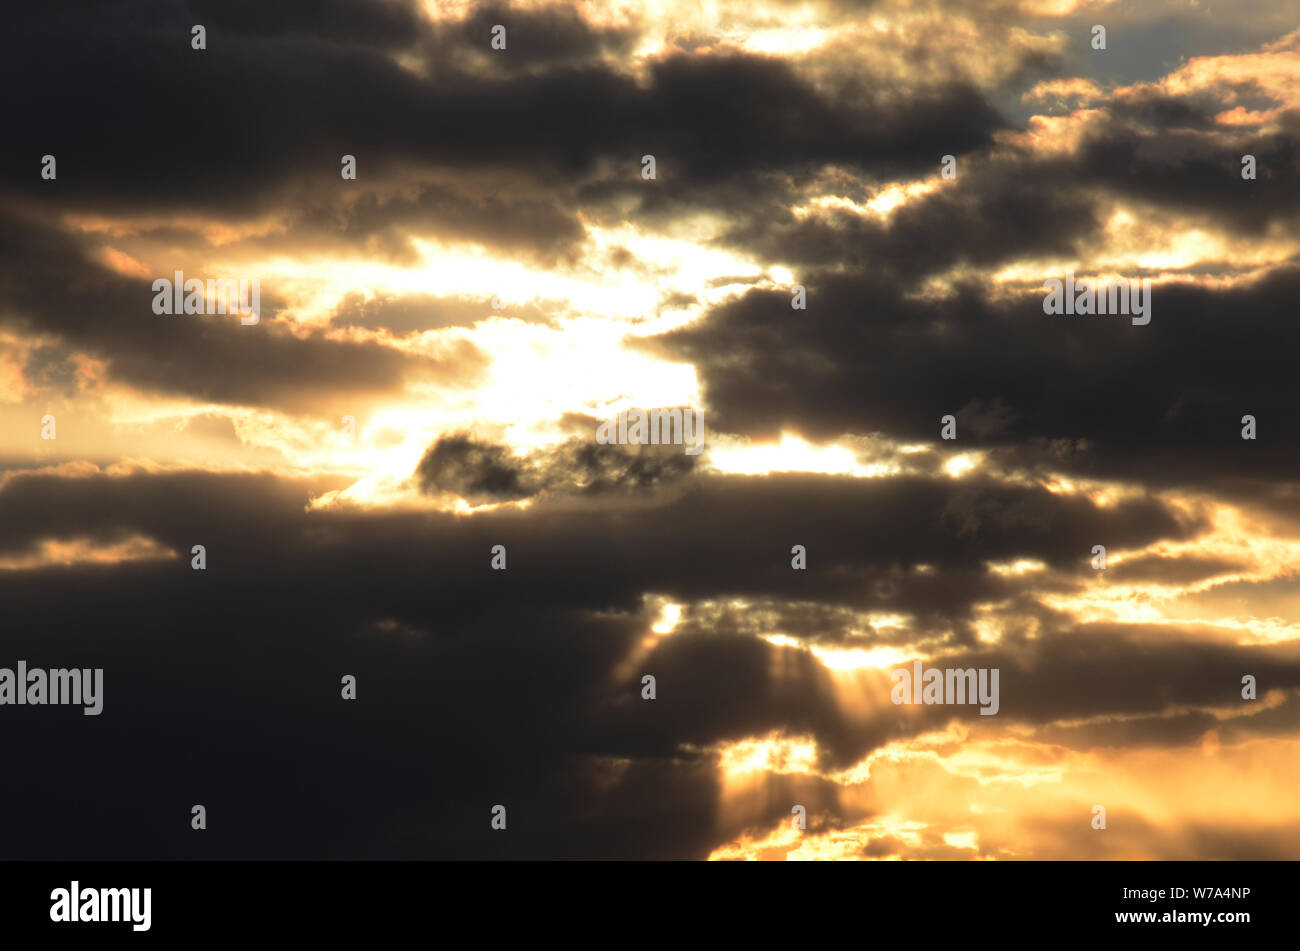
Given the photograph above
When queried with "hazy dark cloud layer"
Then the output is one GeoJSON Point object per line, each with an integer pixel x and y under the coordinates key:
{"type": "Point", "coordinates": [485, 472]}
{"type": "Point", "coordinates": [485, 273]}
{"type": "Point", "coordinates": [477, 686]}
{"type": "Point", "coordinates": [1158, 404]}
{"type": "Point", "coordinates": [208, 357]}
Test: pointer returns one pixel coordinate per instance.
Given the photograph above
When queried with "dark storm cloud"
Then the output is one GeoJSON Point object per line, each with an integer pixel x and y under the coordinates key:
{"type": "Point", "coordinates": [1152, 148]}
{"type": "Point", "coordinates": [382, 226]}
{"type": "Point", "coordinates": [254, 118]}
{"type": "Point", "coordinates": [864, 538]}
{"type": "Point", "coordinates": [539, 227]}
{"type": "Point", "coordinates": [1149, 107]}
{"type": "Point", "coordinates": [388, 24]}
{"type": "Point", "coordinates": [503, 686]}
{"type": "Point", "coordinates": [1161, 154]}
{"type": "Point", "coordinates": [1093, 395]}
{"type": "Point", "coordinates": [481, 472]}
{"type": "Point", "coordinates": [1187, 728]}
{"type": "Point", "coordinates": [708, 119]}
{"type": "Point", "coordinates": [476, 470]}
{"type": "Point", "coordinates": [409, 771]}
{"type": "Point", "coordinates": [1129, 687]}
{"type": "Point", "coordinates": [715, 150]}
{"type": "Point", "coordinates": [1136, 670]}
{"type": "Point", "coordinates": [51, 285]}
{"type": "Point", "coordinates": [47, 367]}
{"type": "Point", "coordinates": [980, 227]}
{"type": "Point", "coordinates": [548, 36]}
{"type": "Point", "coordinates": [521, 686]}
{"type": "Point", "coordinates": [1020, 205]}
{"type": "Point", "coordinates": [716, 115]}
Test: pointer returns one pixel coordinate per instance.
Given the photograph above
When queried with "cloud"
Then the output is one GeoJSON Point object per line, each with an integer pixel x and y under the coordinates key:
{"type": "Point", "coordinates": [498, 275]}
{"type": "Point", "coordinates": [486, 472]}
{"type": "Point", "coordinates": [211, 358]}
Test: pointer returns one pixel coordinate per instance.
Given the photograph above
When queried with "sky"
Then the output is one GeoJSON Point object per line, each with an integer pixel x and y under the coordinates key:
{"type": "Point", "coordinates": [837, 256]}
